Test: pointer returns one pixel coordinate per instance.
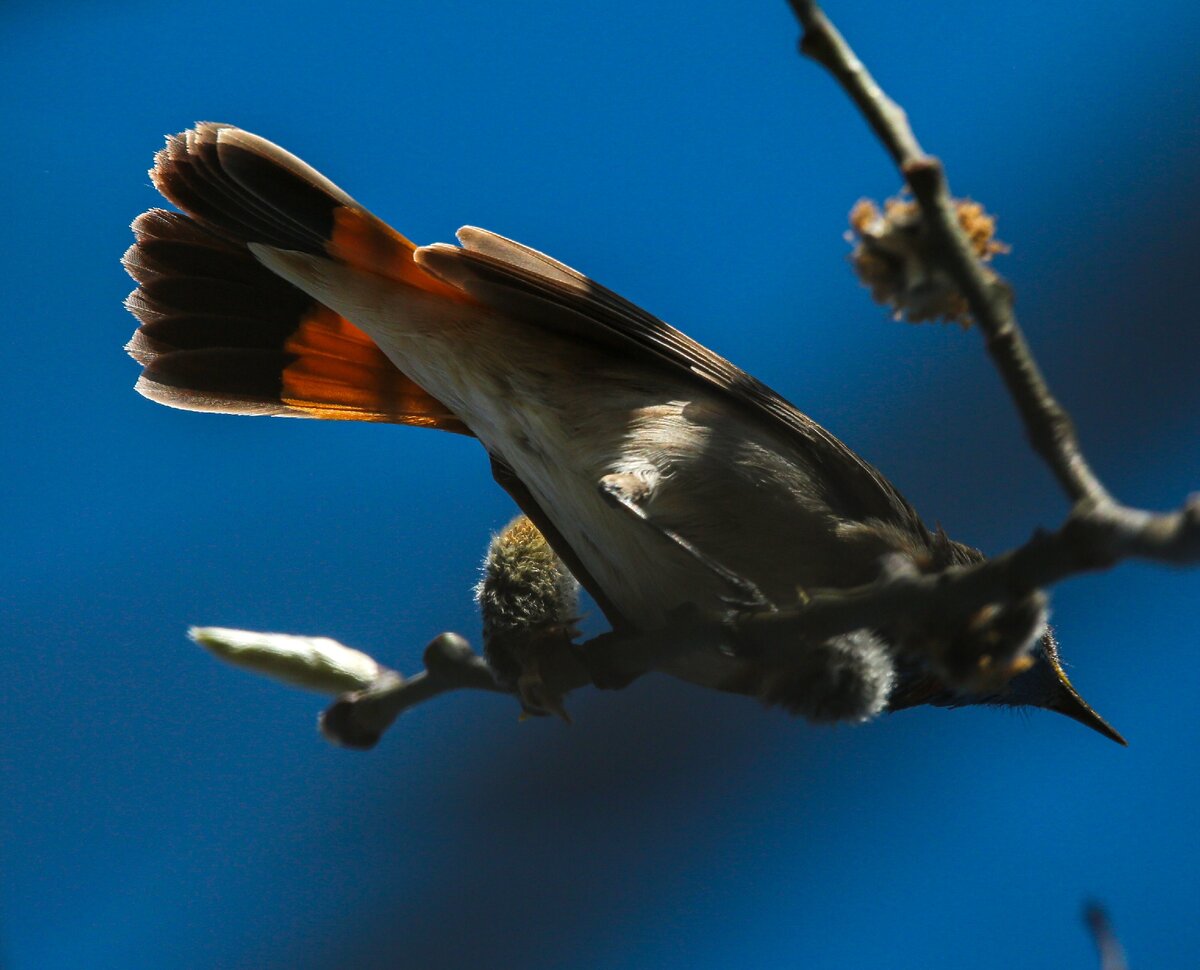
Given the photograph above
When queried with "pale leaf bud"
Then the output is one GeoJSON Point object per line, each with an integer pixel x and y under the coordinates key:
{"type": "Point", "coordinates": [314, 663]}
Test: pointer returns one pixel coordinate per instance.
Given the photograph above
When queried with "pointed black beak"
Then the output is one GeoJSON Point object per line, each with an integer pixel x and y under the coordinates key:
{"type": "Point", "coordinates": [1069, 702]}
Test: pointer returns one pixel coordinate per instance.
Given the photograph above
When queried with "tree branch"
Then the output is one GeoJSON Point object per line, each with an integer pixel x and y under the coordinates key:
{"type": "Point", "coordinates": [1087, 541]}
{"type": "Point", "coordinates": [1047, 424]}
{"type": "Point", "coordinates": [358, 718]}
{"type": "Point", "coordinates": [824, 44]}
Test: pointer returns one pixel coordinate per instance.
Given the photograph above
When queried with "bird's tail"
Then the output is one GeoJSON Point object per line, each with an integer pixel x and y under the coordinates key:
{"type": "Point", "coordinates": [220, 332]}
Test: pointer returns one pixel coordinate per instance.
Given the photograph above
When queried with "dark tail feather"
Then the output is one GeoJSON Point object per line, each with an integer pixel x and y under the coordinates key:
{"type": "Point", "coordinates": [220, 332]}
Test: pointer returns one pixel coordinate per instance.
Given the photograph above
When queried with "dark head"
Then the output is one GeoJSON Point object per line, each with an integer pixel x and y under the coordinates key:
{"type": "Point", "coordinates": [1044, 684]}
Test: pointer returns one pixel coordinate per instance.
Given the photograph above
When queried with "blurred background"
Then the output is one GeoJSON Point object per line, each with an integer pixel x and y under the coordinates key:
{"type": "Point", "coordinates": [161, 810]}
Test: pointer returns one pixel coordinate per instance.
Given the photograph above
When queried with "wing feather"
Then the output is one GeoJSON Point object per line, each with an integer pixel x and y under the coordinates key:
{"type": "Point", "coordinates": [534, 288]}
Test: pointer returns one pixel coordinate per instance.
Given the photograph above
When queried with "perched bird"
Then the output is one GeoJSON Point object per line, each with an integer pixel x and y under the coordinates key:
{"type": "Point", "coordinates": [658, 472]}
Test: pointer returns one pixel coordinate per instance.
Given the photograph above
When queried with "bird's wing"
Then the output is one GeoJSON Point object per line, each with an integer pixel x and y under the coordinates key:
{"type": "Point", "coordinates": [534, 288]}
{"type": "Point", "coordinates": [298, 357]}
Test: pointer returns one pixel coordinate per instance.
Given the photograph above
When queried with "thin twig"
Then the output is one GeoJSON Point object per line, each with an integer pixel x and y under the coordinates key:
{"type": "Point", "coordinates": [1047, 424]}
{"type": "Point", "coordinates": [824, 44]}
{"type": "Point", "coordinates": [359, 718]}
{"type": "Point", "coordinates": [1087, 542]}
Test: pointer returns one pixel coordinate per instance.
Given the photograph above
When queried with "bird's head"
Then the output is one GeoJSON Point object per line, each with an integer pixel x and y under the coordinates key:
{"type": "Point", "coordinates": [1044, 683]}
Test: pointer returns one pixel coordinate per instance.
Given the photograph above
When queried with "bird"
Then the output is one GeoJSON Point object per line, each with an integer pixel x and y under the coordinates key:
{"type": "Point", "coordinates": [660, 475]}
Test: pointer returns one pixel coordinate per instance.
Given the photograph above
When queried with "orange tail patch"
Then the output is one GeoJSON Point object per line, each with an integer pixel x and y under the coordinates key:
{"type": "Point", "coordinates": [220, 332]}
{"type": "Point", "coordinates": [339, 374]}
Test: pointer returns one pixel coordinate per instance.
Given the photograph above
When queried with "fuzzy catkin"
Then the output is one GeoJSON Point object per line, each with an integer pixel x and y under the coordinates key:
{"type": "Point", "coordinates": [525, 588]}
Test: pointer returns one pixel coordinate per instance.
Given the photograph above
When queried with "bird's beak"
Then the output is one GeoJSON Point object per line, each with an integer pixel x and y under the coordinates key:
{"type": "Point", "coordinates": [1069, 702]}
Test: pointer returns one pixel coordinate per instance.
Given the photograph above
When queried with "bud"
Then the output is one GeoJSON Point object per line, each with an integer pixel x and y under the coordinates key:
{"type": "Point", "coordinates": [314, 663]}
{"type": "Point", "coordinates": [529, 602]}
{"type": "Point", "coordinates": [892, 258]}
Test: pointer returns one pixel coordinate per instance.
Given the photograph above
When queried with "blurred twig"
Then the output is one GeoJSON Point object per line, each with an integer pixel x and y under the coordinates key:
{"type": "Point", "coordinates": [1112, 954]}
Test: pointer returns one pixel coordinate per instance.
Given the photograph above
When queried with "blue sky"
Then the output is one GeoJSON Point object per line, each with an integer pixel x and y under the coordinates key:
{"type": "Point", "coordinates": [164, 811]}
